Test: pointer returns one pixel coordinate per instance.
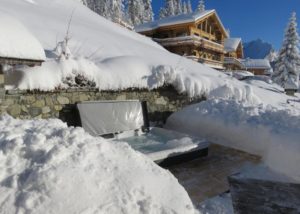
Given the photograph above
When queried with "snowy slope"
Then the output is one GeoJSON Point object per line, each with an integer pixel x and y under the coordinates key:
{"type": "Point", "coordinates": [112, 56]}
{"type": "Point", "coordinates": [47, 167]}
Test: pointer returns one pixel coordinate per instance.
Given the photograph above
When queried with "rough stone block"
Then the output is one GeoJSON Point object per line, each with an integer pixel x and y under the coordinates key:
{"type": "Point", "coordinates": [63, 100]}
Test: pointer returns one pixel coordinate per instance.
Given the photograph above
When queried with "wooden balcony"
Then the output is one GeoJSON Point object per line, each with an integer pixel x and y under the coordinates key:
{"type": "Point", "coordinates": [209, 62]}
{"type": "Point", "coordinates": [191, 40]}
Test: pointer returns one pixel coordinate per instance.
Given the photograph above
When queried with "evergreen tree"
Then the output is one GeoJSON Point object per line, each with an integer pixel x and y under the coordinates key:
{"type": "Point", "coordinates": [184, 8]}
{"type": "Point", "coordinates": [189, 7]}
{"type": "Point", "coordinates": [116, 10]}
{"type": "Point", "coordinates": [148, 14]}
{"type": "Point", "coordinates": [135, 11]}
{"type": "Point", "coordinates": [178, 7]}
{"type": "Point", "coordinates": [162, 13]}
{"type": "Point", "coordinates": [201, 6]}
{"type": "Point", "coordinates": [288, 64]}
{"type": "Point", "coordinates": [170, 8]}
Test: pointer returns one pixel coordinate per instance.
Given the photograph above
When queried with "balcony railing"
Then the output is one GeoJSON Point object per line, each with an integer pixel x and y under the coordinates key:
{"type": "Point", "coordinates": [209, 62]}
{"type": "Point", "coordinates": [191, 40]}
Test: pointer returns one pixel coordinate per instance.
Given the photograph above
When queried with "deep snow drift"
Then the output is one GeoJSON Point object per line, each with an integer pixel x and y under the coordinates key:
{"type": "Point", "coordinates": [49, 168]}
{"type": "Point", "coordinates": [17, 42]}
{"type": "Point", "coordinates": [271, 133]}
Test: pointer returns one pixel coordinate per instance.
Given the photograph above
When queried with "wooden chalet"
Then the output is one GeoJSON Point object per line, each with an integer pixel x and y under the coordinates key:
{"type": "Point", "coordinates": [234, 52]}
{"type": "Point", "coordinates": [199, 36]}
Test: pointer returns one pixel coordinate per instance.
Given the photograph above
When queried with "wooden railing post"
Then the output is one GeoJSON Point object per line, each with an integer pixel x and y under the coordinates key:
{"type": "Point", "coordinates": [2, 90]}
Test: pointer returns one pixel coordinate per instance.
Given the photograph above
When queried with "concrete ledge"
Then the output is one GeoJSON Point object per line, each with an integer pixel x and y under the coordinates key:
{"type": "Point", "coordinates": [253, 195]}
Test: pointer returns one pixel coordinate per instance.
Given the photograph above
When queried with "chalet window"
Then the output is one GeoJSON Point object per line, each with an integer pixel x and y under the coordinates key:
{"type": "Point", "coordinates": [196, 34]}
{"type": "Point", "coordinates": [194, 53]}
{"type": "Point", "coordinates": [181, 34]}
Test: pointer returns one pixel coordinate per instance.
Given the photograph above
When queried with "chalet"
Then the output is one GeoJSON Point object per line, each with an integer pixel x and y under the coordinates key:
{"type": "Point", "coordinates": [234, 52]}
{"type": "Point", "coordinates": [199, 36]}
{"type": "Point", "coordinates": [257, 66]}
{"type": "Point", "coordinates": [17, 46]}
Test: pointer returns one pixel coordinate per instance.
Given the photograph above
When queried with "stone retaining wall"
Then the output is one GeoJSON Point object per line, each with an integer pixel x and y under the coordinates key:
{"type": "Point", "coordinates": [61, 104]}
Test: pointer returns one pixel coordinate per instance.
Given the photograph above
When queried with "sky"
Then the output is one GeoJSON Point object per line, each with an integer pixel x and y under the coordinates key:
{"type": "Point", "coordinates": [252, 19]}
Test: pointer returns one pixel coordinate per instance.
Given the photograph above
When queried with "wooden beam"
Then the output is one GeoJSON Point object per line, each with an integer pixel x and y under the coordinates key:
{"type": "Point", "coordinates": [15, 61]}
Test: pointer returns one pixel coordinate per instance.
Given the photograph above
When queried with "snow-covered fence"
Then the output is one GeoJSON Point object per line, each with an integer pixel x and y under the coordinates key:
{"type": "Point", "coordinates": [61, 104]}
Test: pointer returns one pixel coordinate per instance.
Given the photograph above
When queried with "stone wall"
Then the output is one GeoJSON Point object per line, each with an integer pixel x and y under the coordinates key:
{"type": "Point", "coordinates": [62, 104]}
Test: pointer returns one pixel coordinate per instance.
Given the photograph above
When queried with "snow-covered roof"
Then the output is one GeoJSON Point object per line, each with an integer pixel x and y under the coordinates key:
{"type": "Point", "coordinates": [180, 19]}
{"type": "Point", "coordinates": [231, 44]}
{"type": "Point", "coordinates": [256, 63]}
{"type": "Point", "coordinates": [17, 42]}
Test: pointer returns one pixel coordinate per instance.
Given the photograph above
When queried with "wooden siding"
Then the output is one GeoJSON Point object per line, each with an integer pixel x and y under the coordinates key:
{"type": "Point", "coordinates": [15, 61]}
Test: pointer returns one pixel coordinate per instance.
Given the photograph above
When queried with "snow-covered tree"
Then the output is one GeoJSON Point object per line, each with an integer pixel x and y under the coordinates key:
{"type": "Point", "coordinates": [116, 10]}
{"type": "Point", "coordinates": [201, 6]}
{"type": "Point", "coordinates": [178, 7]}
{"type": "Point", "coordinates": [148, 11]}
{"type": "Point", "coordinates": [170, 8]}
{"type": "Point", "coordinates": [162, 13]}
{"type": "Point", "coordinates": [135, 11]}
{"type": "Point", "coordinates": [189, 7]}
{"type": "Point", "coordinates": [184, 8]}
{"type": "Point", "coordinates": [287, 67]}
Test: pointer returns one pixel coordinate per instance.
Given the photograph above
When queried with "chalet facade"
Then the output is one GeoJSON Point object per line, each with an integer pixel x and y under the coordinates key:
{"type": "Point", "coordinates": [200, 36]}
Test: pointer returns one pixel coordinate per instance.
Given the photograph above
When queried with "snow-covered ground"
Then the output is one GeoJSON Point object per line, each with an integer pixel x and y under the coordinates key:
{"type": "Point", "coordinates": [46, 167]}
{"type": "Point", "coordinates": [109, 55]}
{"type": "Point", "coordinates": [271, 131]}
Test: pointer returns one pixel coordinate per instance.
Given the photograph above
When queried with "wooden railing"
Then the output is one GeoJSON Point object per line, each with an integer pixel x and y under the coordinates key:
{"type": "Point", "coordinates": [194, 40]}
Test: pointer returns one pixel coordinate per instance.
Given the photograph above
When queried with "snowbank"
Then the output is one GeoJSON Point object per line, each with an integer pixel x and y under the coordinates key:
{"type": "Point", "coordinates": [49, 168]}
{"type": "Point", "coordinates": [17, 42]}
{"type": "Point", "coordinates": [266, 131]}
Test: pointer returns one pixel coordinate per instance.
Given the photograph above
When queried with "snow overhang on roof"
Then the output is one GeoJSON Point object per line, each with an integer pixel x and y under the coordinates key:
{"type": "Point", "coordinates": [231, 44]}
{"type": "Point", "coordinates": [256, 63]}
{"type": "Point", "coordinates": [17, 43]}
{"type": "Point", "coordinates": [180, 19]}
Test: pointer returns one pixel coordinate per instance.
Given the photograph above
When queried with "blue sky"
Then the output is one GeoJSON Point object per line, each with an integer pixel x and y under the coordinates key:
{"type": "Point", "coordinates": [252, 19]}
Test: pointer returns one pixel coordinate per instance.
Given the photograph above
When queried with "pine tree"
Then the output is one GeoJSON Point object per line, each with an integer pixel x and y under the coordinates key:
{"type": "Point", "coordinates": [162, 13]}
{"type": "Point", "coordinates": [201, 6]}
{"type": "Point", "coordinates": [184, 8]}
{"type": "Point", "coordinates": [116, 10]}
{"type": "Point", "coordinates": [170, 8]}
{"type": "Point", "coordinates": [148, 14]}
{"type": "Point", "coordinates": [135, 11]}
{"type": "Point", "coordinates": [178, 7]}
{"type": "Point", "coordinates": [189, 7]}
{"type": "Point", "coordinates": [287, 67]}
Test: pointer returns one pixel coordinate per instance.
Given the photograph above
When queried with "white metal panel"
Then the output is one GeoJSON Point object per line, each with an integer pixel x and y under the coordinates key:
{"type": "Point", "coordinates": [106, 117]}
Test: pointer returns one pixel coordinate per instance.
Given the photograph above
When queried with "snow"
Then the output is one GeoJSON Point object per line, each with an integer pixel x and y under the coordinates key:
{"type": "Point", "coordinates": [218, 205]}
{"type": "Point", "coordinates": [160, 144]}
{"type": "Point", "coordinates": [174, 20]}
{"type": "Point", "coordinates": [263, 130]}
{"type": "Point", "coordinates": [47, 167]}
{"type": "Point", "coordinates": [17, 42]}
{"type": "Point", "coordinates": [256, 63]}
{"type": "Point", "coordinates": [231, 44]}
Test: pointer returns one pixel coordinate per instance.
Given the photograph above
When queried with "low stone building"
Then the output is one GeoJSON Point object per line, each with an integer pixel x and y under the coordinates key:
{"type": "Point", "coordinates": [17, 46]}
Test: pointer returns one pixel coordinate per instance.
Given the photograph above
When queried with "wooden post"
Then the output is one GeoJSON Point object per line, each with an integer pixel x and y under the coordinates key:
{"type": "Point", "coordinates": [1, 77]}
{"type": "Point", "coordinates": [2, 90]}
